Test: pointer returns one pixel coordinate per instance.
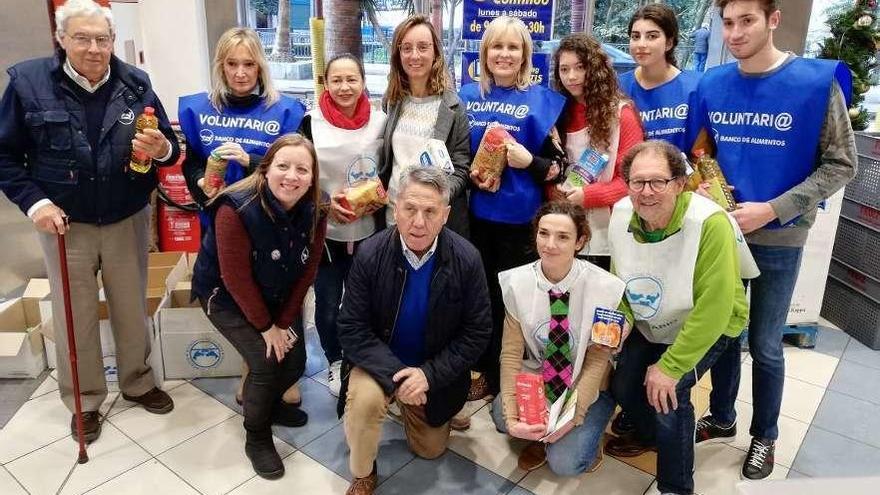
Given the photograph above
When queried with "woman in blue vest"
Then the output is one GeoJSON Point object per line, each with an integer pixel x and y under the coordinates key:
{"type": "Point", "coordinates": [422, 107]}
{"type": "Point", "coordinates": [347, 134]}
{"type": "Point", "coordinates": [659, 89]}
{"type": "Point", "coordinates": [239, 118]}
{"type": "Point", "coordinates": [502, 211]}
{"type": "Point", "coordinates": [259, 255]}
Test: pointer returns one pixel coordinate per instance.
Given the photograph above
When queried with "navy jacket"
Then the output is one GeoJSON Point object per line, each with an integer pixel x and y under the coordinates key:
{"type": "Point", "coordinates": [44, 151]}
{"type": "Point", "coordinates": [280, 250]}
{"type": "Point", "coordinates": [459, 319]}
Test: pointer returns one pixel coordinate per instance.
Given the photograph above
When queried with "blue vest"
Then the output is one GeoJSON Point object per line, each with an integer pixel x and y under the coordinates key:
{"type": "Point", "coordinates": [279, 249]}
{"type": "Point", "coordinates": [663, 109]}
{"type": "Point", "coordinates": [528, 116]}
{"type": "Point", "coordinates": [766, 129]}
{"type": "Point", "coordinates": [254, 128]}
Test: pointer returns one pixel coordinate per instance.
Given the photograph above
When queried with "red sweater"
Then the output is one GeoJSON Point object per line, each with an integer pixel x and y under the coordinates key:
{"type": "Point", "coordinates": [234, 253]}
{"type": "Point", "coordinates": [607, 193]}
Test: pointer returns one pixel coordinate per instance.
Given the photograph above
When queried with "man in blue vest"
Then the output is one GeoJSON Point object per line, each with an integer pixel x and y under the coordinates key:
{"type": "Point", "coordinates": [415, 319]}
{"type": "Point", "coordinates": [67, 132]}
{"type": "Point", "coordinates": [783, 138]}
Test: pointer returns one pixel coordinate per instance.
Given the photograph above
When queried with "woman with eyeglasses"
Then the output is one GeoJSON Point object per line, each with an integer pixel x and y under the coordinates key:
{"type": "Point", "coordinates": [599, 121]}
{"type": "Point", "coordinates": [659, 89]}
{"type": "Point", "coordinates": [682, 258]}
{"type": "Point", "coordinates": [502, 209]}
{"type": "Point", "coordinates": [238, 119]}
{"type": "Point", "coordinates": [422, 107]}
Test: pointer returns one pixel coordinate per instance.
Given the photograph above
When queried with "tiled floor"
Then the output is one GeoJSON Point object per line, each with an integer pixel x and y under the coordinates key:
{"type": "Point", "coordinates": [829, 428]}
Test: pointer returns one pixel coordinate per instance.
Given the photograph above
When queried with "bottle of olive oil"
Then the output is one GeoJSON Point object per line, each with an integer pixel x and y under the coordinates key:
{"type": "Point", "coordinates": [140, 162]}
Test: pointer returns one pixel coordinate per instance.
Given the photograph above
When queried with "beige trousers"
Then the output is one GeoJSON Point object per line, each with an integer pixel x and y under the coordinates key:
{"type": "Point", "coordinates": [365, 408]}
{"type": "Point", "coordinates": [119, 251]}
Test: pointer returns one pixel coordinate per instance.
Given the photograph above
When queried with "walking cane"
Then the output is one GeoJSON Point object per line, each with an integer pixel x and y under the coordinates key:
{"type": "Point", "coordinates": [71, 347]}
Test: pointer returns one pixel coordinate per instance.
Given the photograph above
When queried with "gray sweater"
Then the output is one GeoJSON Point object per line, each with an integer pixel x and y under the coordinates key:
{"type": "Point", "coordinates": [836, 162]}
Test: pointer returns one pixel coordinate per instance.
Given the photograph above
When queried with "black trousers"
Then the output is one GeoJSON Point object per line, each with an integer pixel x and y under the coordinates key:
{"type": "Point", "coordinates": [502, 246]}
{"type": "Point", "coordinates": [268, 378]}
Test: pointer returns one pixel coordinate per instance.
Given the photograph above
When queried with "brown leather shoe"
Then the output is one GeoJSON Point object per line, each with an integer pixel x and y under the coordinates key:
{"type": "Point", "coordinates": [91, 426]}
{"type": "Point", "coordinates": [363, 486]}
{"type": "Point", "coordinates": [532, 457]}
{"type": "Point", "coordinates": [460, 422]}
{"type": "Point", "coordinates": [155, 401]}
{"type": "Point", "coordinates": [479, 387]}
{"type": "Point", "coordinates": [627, 446]}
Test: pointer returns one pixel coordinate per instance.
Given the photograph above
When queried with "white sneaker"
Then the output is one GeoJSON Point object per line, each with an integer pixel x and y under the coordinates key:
{"type": "Point", "coordinates": [334, 377]}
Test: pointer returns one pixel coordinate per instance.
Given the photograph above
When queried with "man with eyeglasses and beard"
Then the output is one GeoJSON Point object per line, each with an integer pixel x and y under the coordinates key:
{"type": "Point", "coordinates": [67, 132]}
{"type": "Point", "coordinates": [682, 258]}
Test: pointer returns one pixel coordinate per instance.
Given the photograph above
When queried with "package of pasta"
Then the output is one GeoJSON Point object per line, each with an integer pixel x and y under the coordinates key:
{"type": "Point", "coordinates": [365, 197]}
{"type": "Point", "coordinates": [607, 327]}
{"type": "Point", "coordinates": [491, 156]}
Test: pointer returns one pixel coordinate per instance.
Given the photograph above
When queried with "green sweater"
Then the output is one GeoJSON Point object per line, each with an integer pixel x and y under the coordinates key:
{"type": "Point", "coordinates": [719, 295]}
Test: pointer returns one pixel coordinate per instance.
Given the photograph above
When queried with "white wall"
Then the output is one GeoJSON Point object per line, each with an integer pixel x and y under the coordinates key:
{"type": "Point", "coordinates": [175, 48]}
{"type": "Point", "coordinates": [126, 16]}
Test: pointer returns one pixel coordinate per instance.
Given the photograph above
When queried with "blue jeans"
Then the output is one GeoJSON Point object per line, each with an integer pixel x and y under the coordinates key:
{"type": "Point", "coordinates": [329, 282]}
{"type": "Point", "coordinates": [575, 452]}
{"type": "Point", "coordinates": [770, 299]}
{"type": "Point", "coordinates": [700, 61]}
{"type": "Point", "coordinates": [672, 433]}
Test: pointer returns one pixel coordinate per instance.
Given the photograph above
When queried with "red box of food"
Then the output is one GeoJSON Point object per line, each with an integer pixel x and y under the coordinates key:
{"type": "Point", "coordinates": [530, 399]}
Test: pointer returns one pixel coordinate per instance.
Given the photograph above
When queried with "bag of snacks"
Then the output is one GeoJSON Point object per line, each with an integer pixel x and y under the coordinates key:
{"type": "Point", "coordinates": [366, 196]}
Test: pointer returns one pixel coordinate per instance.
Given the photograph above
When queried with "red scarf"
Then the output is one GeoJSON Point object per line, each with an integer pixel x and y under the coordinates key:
{"type": "Point", "coordinates": [334, 114]}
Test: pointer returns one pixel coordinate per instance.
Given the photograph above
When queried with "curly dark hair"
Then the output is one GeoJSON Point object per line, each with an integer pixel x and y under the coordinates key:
{"type": "Point", "coordinates": [664, 17]}
{"type": "Point", "coordinates": [601, 90]}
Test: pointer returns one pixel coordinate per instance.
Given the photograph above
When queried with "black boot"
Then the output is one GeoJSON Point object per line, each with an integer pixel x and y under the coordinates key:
{"type": "Point", "coordinates": [264, 458]}
{"type": "Point", "coordinates": [285, 414]}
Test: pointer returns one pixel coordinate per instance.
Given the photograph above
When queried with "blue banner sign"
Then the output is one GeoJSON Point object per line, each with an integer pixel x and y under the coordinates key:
{"type": "Point", "coordinates": [470, 68]}
{"type": "Point", "coordinates": [536, 14]}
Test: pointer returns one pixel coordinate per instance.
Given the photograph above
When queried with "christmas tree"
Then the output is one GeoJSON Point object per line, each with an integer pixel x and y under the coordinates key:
{"type": "Point", "coordinates": [854, 40]}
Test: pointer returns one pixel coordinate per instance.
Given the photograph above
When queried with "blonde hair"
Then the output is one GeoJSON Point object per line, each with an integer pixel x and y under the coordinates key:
{"type": "Point", "coordinates": [398, 81]}
{"type": "Point", "coordinates": [496, 29]}
{"type": "Point", "coordinates": [256, 183]}
{"type": "Point", "coordinates": [230, 40]}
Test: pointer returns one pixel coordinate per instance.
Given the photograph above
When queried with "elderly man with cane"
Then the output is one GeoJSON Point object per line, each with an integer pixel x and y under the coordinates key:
{"type": "Point", "coordinates": [67, 132]}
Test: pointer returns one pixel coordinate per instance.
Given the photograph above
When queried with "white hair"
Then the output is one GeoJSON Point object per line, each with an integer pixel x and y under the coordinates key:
{"type": "Point", "coordinates": [80, 8]}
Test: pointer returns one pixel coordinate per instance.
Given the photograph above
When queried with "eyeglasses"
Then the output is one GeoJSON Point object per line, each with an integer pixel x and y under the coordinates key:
{"type": "Point", "coordinates": [422, 48]}
{"type": "Point", "coordinates": [657, 185]}
{"type": "Point", "coordinates": [82, 41]}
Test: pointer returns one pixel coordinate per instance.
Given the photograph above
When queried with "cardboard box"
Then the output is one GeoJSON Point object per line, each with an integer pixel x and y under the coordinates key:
{"type": "Point", "coordinates": [108, 348]}
{"type": "Point", "coordinates": [809, 290]}
{"type": "Point", "coordinates": [191, 346]}
{"type": "Point", "coordinates": [21, 348]}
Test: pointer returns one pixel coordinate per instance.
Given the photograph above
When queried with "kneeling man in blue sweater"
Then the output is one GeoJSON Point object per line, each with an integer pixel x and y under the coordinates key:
{"type": "Point", "coordinates": [415, 318]}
